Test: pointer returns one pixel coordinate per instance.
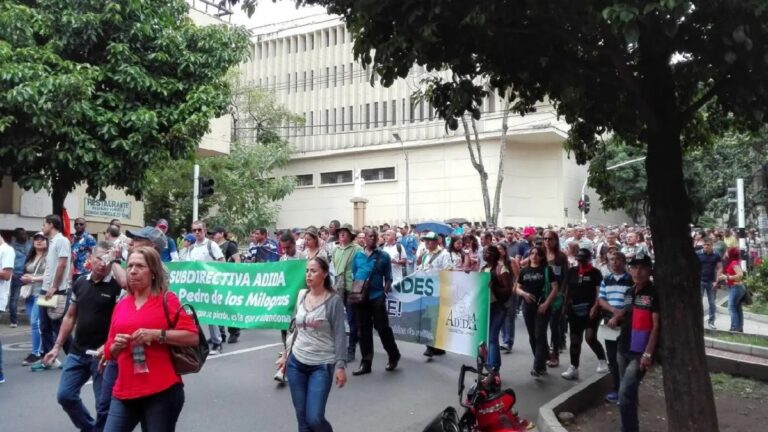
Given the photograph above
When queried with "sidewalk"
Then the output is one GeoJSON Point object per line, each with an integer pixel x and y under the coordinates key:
{"type": "Point", "coordinates": [723, 318]}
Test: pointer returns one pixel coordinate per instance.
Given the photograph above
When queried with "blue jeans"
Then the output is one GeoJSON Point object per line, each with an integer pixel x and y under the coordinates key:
{"type": "Point", "coordinates": [1, 358]}
{"type": "Point", "coordinates": [78, 369]}
{"type": "Point", "coordinates": [629, 388]}
{"type": "Point", "coordinates": [708, 290]}
{"type": "Point", "coordinates": [508, 330]}
{"type": "Point", "coordinates": [735, 295]}
{"type": "Point", "coordinates": [33, 313]}
{"type": "Point", "coordinates": [310, 386]}
{"type": "Point", "coordinates": [156, 413]}
{"type": "Point", "coordinates": [498, 317]}
{"type": "Point", "coordinates": [104, 400]}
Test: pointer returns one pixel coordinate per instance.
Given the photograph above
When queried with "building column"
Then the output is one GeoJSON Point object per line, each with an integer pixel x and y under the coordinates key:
{"type": "Point", "coordinates": [358, 211]}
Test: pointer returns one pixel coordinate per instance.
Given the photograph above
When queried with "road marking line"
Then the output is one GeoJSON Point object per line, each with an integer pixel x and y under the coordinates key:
{"type": "Point", "coordinates": [241, 351]}
{"type": "Point", "coordinates": [245, 350]}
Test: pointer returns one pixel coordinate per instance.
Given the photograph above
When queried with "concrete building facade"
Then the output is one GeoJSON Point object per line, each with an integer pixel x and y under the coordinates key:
{"type": "Point", "coordinates": [350, 130]}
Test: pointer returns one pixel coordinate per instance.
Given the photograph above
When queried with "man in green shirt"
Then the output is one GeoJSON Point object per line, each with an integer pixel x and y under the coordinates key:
{"type": "Point", "coordinates": [342, 262]}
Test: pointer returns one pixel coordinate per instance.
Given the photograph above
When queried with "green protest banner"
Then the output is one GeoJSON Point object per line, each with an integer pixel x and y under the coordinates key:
{"type": "Point", "coordinates": [240, 295]}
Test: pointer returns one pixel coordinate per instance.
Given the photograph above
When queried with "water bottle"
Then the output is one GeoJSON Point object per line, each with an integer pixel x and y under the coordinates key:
{"type": "Point", "coordinates": [139, 359]}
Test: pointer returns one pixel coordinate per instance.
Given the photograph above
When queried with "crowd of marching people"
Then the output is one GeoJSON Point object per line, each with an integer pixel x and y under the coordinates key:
{"type": "Point", "coordinates": [591, 284]}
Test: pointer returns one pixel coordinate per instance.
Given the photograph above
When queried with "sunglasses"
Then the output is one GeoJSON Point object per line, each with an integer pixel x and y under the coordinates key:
{"type": "Point", "coordinates": [79, 224]}
{"type": "Point", "coordinates": [198, 230]}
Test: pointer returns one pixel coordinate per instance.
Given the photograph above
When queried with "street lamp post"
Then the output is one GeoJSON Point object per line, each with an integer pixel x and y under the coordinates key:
{"type": "Point", "coordinates": [407, 181]}
{"type": "Point", "coordinates": [612, 167]}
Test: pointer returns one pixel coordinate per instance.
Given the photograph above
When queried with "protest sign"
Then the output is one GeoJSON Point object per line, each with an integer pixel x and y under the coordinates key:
{"type": "Point", "coordinates": [448, 310]}
{"type": "Point", "coordinates": [239, 295]}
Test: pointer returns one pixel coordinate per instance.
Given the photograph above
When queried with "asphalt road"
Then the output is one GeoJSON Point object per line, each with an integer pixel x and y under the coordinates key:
{"type": "Point", "coordinates": [235, 391]}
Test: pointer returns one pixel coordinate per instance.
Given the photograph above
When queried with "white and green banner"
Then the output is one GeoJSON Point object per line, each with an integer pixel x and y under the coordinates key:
{"type": "Point", "coordinates": [259, 295]}
{"type": "Point", "coordinates": [448, 310]}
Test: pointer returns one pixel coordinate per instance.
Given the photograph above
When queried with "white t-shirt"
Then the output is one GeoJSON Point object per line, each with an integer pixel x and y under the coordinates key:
{"type": "Point", "coordinates": [395, 254]}
{"type": "Point", "coordinates": [58, 247]}
{"type": "Point", "coordinates": [203, 252]}
{"type": "Point", "coordinates": [7, 257]}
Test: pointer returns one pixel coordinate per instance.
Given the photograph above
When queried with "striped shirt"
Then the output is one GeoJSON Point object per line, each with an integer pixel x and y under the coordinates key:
{"type": "Point", "coordinates": [613, 288]}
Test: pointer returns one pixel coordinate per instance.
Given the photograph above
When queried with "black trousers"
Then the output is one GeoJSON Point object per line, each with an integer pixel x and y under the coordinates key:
{"type": "Point", "coordinates": [536, 324]}
{"type": "Point", "coordinates": [373, 315]}
{"type": "Point", "coordinates": [611, 348]}
{"type": "Point", "coordinates": [579, 326]}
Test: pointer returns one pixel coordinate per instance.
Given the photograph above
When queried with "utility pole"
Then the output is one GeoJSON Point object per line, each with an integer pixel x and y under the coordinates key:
{"type": "Point", "coordinates": [195, 191]}
{"type": "Point", "coordinates": [742, 223]}
{"type": "Point", "coordinates": [407, 181]}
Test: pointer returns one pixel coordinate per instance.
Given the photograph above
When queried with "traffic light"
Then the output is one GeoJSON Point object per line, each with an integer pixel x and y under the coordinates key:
{"type": "Point", "coordinates": [205, 189]}
{"type": "Point", "coordinates": [584, 204]}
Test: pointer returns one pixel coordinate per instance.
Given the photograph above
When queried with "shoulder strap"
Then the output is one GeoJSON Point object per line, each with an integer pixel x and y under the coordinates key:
{"type": "Point", "coordinates": [210, 249]}
{"type": "Point", "coordinates": [399, 248]}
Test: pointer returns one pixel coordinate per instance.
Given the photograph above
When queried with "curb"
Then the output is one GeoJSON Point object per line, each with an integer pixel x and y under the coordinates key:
{"type": "Point", "coordinates": [735, 347]}
{"type": "Point", "coordinates": [574, 400]}
{"type": "Point", "coordinates": [584, 395]}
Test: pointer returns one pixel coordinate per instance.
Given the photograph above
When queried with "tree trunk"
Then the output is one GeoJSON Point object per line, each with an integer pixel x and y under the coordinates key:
{"type": "Point", "coordinates": [477, 163]}
{"type": "Point", "coordinates": [59, 193]}
{"type": "Point", "coordinates": [500, 174]}
{"type": "Point", "coordinates": [689, 397]}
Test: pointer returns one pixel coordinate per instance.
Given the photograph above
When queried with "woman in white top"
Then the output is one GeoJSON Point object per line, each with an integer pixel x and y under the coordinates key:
{"type": "Point", "coordinates": [312, 247]}
{"type": "Point", "coordinates": [459, 260]}
{"type": "Point", "coordinates": [34, 269]}
{"type": "Point", "coordinates": [318, 349]}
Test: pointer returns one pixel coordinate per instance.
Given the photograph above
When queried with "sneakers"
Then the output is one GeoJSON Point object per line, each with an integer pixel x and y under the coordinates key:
{"type": "Point", "coordinates": [40, 366]}
{"type": "Point", "coordinates": [508, 348]}
{"type": "Point", "coordinates": [612, 398]}
{"type": "Point", "coordinates": [14, 325]}
{"type": "Point", "coordinates": [571, 374]}
{"type": "Point", "coordinates": [31, 359]}
{"type": "Point", "coordinates": [539, 373]}
{"type": "Point", "coordinates": [711, 325]}
{"type": "Point", "coordinates": [233, 338]}
{"type": "Point", "coordinates": [216, 349]}
{"type": "Point", "coordinates": [602, 367]}
{"type": "Point", "coordinates": [2, 378]}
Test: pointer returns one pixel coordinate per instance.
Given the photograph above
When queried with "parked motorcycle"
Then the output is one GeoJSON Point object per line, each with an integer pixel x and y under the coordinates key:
{"type": "Point", "coordinates": [487, 408]}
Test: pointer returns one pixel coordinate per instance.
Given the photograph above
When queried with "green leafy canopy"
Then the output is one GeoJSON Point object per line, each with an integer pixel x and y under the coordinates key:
{"type": "Point", "coordinates": [96, 91]}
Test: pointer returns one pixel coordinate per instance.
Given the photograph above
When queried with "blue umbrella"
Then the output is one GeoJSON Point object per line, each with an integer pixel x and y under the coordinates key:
{"type": "Point", "coordinates": [434, 226]}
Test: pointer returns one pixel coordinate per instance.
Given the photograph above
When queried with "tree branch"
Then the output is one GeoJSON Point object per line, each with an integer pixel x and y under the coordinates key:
{"type": "Point", "coordinates": [706, 97]}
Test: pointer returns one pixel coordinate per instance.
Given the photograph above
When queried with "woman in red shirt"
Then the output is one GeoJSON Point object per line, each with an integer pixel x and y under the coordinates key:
{"type": "Point", "coordinates": [147, 389]}
{"type": "Point", "coordinates": [733, 276]}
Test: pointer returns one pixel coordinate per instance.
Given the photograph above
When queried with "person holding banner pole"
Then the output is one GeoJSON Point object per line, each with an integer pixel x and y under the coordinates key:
{"type": "Point", "coordinates": [532, 288]}
{"type": "Point", "coordinates": [317, 353]}
{"type": "Point", "coordinates": [433, 259]}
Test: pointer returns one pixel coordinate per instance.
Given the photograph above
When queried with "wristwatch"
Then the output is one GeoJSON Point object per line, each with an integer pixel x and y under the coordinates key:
{"type": "Point", "coordinates": [162, 336]}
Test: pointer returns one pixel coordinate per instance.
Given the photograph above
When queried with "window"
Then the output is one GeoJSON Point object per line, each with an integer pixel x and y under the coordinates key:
{"type": "Point", "coordinates": [394, 112]}
{"type": "Point", "coordinates": [431, 113]}
{"type": "Point", "coordinates": [375, 114]}
{"type": "Point", "coordinates": [412, 117]}
{"type": "Point", "coordinates": [305, 180]}
{"type": "Point", "coordinates": [402, 112]}
{"type": "Point", "coordinates": [383, 113]}
{"type": "Point", "coordinates": [336, 177]}
{"type": "Point", "coordinates": [311, 80]}
{"type": "Point", "coordinates": [305, 80]}
{"type": "Point", "coordinates": [266, 49]}
{"type": "Point", "coordinates": [304, 127]}
{"type": "Point", "coordinates": [351, 75]}
{"type": "Point", "coordinates": [335, 37]}
{"type": "Point", "coordinates": [342, 119]}
{"type": "Point", "coordinates": [334, 121]}
{"type": "Point", "coordinates": [421, 111]}
{"type": "Point", "coordinates": [304, 43]}
{"type": "Point", "coordinates": [327, 77]}
{"type": "Point", "coordinates": [311, 123]}
{"type": "Point", "coordinates": [311, 41]}
{"type": "Point", "coordinates": [260, 51]}
{"type": "Point", "coordinates": [351, 118]}
{"type": "Point", "coordinates": [327, 115]}
{"type": "Point", "coordinates": [288, 87]}
{"type": "Point", "coordinates": [342, 75]}
{"type": "Point", "coordinates": [288, 45]}
{"type": "Point", "coordinates": [378, 174]}
{"type": "Point", "coordinates": [295, 82]}
{"type": "Point", "coordinates": [335, 76]}
{"type": "Point", "coordinates": [327, 36]}
{"type": "Point", "coordinates": [367, 116]}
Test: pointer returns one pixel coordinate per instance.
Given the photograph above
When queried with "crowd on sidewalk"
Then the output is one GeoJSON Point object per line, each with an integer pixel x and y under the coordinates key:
{"type": "Point", "coordinates": [593, 284]}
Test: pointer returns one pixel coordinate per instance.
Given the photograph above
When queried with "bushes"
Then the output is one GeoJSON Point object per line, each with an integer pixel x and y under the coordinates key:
{"type": "Point", "coordinates": [757, 281]}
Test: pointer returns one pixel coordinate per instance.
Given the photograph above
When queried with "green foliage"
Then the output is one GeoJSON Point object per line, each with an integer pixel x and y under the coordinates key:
{"type": "Point", "coordinates": [709, 171]}
{"type": "Point", "coordinates": [247, 181]}
{"type": "Point", "coordinates": [96, 91]}
{"type": "Point", "coordinates": [757, 281]}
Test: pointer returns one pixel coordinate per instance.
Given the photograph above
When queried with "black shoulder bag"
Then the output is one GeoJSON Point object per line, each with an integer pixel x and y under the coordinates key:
{"type": "Point", "coordinates": [186, 359]}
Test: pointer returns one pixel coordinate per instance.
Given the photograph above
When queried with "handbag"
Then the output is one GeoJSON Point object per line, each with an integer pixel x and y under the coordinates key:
{"type": "Point", "coordinates": [747, 299]}
{"type": "Point", "coordinates": [25, 292]}
{"type": "Point", "coordinates": [340, 282]}
{"type": "Point", "coordinates": [359, 292]}
{"type": "Point", "coordinates": [186, 359]}
{"type": "Point", "coordinates": [57, 311]}
{"type": "Point", "coordinates": [557, 303]}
